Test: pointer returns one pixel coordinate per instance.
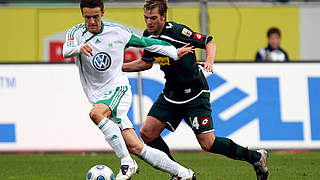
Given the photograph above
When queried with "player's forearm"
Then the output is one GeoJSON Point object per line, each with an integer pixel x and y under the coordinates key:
{"type": "Point", "coordinates": [71, 51]}
{"type": "Point", "coordinates": [154, 45]}
{"type": "Point", "coordinates": [170, 51]}
{"type": "Point", "coordinates": [210, 52]}
{"type": "Point", "coordinates": [137, 65]}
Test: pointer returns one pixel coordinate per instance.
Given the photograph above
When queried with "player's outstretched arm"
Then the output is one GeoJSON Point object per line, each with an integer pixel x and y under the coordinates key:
{"type": "Point", "coordinates": [210, 57]}
{"type": "Point", "coordinates": [137, 65]}
{"type": "Point", "coordinates": [154, 45]}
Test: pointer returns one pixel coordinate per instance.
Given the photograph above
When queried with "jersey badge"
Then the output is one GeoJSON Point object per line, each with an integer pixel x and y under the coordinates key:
{"type": "Point", "coordinates": [101, 61]}
{"type": "Point", "coordinates": [110, 45]}
{"type": "Point", "coordinates": [198, 36]}
{"type": "Point", "coordinates": [70, 42]}
{"type": "Point", "coordinates": [186, 32]}
{"type": "Point", "coordinates": [205, 121]}
{"type": "Point", "coordinates": [163, 61]}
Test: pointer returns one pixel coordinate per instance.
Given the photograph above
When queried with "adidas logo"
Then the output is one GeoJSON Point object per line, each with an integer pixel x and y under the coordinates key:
{"type": "Point", "coordinates": [113, 137]}
{"type": "Point", "coordinates": [98, 41]}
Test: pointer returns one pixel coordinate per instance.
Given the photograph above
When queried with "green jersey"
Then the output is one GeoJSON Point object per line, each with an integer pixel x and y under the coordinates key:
{"type": "Point", "coordinates": [184, 80]}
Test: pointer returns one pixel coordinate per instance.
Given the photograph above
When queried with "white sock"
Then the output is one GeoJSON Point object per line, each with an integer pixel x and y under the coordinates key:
{"type": "Point", "coordinates": [160, 160]}
{"type": "Point", "coordinates": [114, 138]}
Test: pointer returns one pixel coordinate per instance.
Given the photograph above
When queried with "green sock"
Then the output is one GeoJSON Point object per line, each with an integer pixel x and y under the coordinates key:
{"type": "Point", "coordinates": [227, 147]}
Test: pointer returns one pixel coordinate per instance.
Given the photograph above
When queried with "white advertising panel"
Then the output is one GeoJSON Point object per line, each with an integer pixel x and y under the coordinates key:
{"type": "Point", "coordinates": [309, 32]}
{"type": "Point", "coordinates": [258, 105]}
{"type": "Point", "coordinates": [43, 108]}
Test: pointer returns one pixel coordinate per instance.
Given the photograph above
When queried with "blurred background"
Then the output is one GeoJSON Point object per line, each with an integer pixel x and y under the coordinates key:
{"type": "Point", "coordinates": [259, 105]}
{"type": "Point", "coordinates": [239, 27]}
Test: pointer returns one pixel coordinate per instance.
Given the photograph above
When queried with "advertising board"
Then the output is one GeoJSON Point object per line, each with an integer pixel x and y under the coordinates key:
{"type": "Point", "coordinates": [258, 105]}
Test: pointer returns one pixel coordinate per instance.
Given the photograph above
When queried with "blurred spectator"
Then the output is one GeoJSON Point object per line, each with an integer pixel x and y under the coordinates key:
{"type": "Point", "coordinates": [273, 52]}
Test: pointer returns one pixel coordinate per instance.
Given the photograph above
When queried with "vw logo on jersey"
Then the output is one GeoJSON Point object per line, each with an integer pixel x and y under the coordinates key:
{"type": "Point", "coordinates": [101, 61]}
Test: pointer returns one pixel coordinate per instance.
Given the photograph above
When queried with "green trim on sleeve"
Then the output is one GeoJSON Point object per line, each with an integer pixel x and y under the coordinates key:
{"type": "Point", "coordinates": [137, 41]}
{"type": "Point", "coordinates": [72, 31]}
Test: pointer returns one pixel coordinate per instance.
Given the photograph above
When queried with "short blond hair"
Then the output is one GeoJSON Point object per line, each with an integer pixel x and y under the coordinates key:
{"type": "Point", "coordinates": [161, 4]}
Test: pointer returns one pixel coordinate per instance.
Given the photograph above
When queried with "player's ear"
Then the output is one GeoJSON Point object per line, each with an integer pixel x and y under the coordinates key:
{"type": "Point", "coordinates": [164, 16]}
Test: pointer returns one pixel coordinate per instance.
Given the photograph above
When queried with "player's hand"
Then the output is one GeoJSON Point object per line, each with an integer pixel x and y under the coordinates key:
{"type": "Point", "coordinates": [185, 50]}
{"type": "Point", "coordinates": [207, 66]}
{"type": "Point", "coordinates": [86, 50]}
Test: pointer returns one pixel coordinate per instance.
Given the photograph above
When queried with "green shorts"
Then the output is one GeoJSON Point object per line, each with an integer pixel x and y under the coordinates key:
{"type": "Point", "coordinates": [196, 113]}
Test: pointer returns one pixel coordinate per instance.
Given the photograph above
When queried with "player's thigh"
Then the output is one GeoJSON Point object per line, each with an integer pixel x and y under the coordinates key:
{"type": "Point", "coordinates": [132, 141]}
{"type": "Point", "coordinates": [151, 129]}
{"type": "Point", "coordinates": [166, 112]}
{"type": "Point", "coordinates": [119, 102]}
{"type": "Point", "coordinates": [198, 114]}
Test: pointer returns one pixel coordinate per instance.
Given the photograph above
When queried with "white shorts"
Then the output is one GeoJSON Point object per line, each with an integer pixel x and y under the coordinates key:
{"type": "Point", "coordinates": [119, 101]}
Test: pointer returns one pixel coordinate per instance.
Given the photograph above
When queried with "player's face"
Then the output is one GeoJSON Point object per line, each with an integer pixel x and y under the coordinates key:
{"type": "Point", "coordinates": [92, 18]}
{"type": "Point", "coordinates": [154, 21]}
{"type": "Point", "coordinates": [274, 40]}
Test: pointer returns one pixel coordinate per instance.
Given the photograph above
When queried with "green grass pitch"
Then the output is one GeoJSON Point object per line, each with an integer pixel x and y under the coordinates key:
{"type": "Point", "coordinates": [62, 166]}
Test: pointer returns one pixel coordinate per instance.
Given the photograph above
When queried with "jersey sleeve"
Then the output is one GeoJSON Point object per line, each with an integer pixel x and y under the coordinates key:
{"type": "Point", "coordinates": [195, 39]}
{"type": "Point", "coordinates": [154, 46]}
{"type": "Point", "coordinates": [71, 47]}
{"type": "Point", "coordinates": [148, 56]}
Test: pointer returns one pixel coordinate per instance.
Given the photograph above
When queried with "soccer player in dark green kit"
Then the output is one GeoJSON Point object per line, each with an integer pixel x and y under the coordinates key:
{"type": "Point", "coordinates": [186, 94]}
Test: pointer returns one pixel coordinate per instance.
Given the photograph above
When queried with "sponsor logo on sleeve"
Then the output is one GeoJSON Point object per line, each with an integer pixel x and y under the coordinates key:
{"type": "Point", "coordinates": [186, 32]}
{"type": "Point", "coordinates": [198, 36]}
{"type": "Point", "coordinates": [205, 121]}
{"type": "Point", "coordinates": [70, 41]}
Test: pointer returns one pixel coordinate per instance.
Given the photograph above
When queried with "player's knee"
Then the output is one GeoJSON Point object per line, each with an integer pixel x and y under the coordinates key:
{"type": "Point", "coordinates": [205, 146]}
{"type": "Point", "coordinates": [206, 140]}
{"type": "Point", "coordinates": [95, 115]}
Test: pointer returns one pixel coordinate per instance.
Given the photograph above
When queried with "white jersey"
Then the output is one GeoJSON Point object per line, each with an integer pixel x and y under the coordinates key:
{"type": "Point", "coordinates": [103, 71]}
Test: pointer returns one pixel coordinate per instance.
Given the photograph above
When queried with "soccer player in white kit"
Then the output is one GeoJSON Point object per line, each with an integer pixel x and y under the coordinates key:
{"type": "Point", "coordinates": [98, 48]}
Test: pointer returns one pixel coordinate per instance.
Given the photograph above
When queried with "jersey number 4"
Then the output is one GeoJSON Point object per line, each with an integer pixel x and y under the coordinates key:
{"type": "Point", "coordinates": [194, 122]}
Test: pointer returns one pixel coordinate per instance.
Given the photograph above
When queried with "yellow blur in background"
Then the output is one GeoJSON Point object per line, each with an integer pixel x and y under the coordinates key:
{"type": "Point", "coordinates": [238, 31]}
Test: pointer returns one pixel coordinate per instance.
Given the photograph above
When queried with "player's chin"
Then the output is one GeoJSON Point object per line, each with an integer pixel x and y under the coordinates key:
{"type": "Point", "coordinates": [93, 29]}
{"type": "Point", "coordinates": [151, 30]}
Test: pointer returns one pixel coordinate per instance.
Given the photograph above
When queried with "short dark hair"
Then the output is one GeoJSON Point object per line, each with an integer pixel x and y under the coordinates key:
{"type": "Point", "coordinates": [161, 4]}
{"type": "Point", "coordinates": [273, 30]}
{"type": "Point", "coordinates": [91, 4]}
